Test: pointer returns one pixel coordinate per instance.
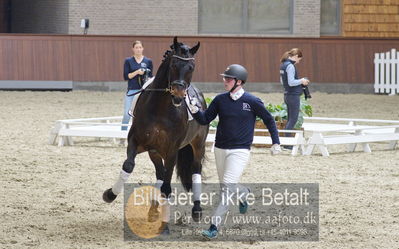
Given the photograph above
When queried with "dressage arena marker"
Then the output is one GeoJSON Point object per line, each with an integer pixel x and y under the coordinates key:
{"type": "Point", "coordinates": [324, 132]}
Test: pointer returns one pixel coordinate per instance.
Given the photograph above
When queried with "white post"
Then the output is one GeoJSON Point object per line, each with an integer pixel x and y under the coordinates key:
{"type": "Point", "coordinates": [366, 148]}
{"type": "Point", "coordinates": [382, 73]}
{"type": "Point", "coordinates": [323, 149]}
{"type": "Point", "coordinates": [394, 68]}
{"type": "Point", "coordinates": [388, 72]}
{"type": "Point", "coordinates": [296, 146]}
{"type": "Point", "coordinates": [61, 139]}
{"type": "Point", "coordinates": [352, 147]}
{"type": "Point", "coordinates": [54, 133]}
{"type": "Point", "coordinates": [397, 72]}
{"type": "Point", "coordinates": [377, 66]}
{"type": "Point", "coordinates": [68, 139]}
{"type": "Point", "coordinates": [315, 139]}
{"type": "Point", "coordinates": [393, 144]}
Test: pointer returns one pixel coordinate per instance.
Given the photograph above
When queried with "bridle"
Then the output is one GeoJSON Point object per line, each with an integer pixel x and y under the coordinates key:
{"type": "Point", "coordinates": [177, 82]}
{"type": "Point", "coordinates": [169, 88]}
{"type": "Point", "coordinates": [183, 58]}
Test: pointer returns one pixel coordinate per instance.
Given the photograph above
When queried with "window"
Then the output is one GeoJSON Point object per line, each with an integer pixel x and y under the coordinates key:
{"type": "Point", "coordinates": [330, 14]}
{"type": "Point", "coordinates": [245, 16]}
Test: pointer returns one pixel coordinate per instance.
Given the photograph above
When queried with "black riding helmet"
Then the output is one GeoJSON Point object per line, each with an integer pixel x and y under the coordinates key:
{"type": "Point", "coordinates": [237, 72]}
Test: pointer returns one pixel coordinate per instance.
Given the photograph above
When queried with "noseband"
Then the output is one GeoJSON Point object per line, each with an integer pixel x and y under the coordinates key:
{"type": "Point", "coordinates": [184, 59]}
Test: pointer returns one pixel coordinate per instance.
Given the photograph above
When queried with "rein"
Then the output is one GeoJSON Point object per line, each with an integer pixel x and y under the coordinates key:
{"type": "Point", "coordinates": [150, 90]}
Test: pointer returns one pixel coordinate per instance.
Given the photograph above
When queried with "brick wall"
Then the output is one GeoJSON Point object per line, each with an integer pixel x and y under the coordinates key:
{"type": "Point", "coordinates": [39, 16]}
{"type": "Point", "coordinates": [306, 18]}
{"type": "Point", "coordinates": [135, 17]}
{"type": "Point", "coordinates": [371, 18]}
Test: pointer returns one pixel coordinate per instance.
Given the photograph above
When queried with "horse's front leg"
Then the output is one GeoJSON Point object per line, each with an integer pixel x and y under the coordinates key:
{"type": "Point", "coordinates": [196, 211]}
{"type": "Point", "coordinates": [156, 159]}
{"type": "Point", "coordinates": [153, 213]}
{"type": "Point", "coordinates": [127, 168]}
{"type": "Point", "coordinates": [198, 150]}
{"type": "Point", "coordinates": [166, 190]}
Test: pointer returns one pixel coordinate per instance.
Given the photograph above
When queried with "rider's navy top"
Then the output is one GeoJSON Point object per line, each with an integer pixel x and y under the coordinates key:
{"type": "Point", "coordinates": [130, 66]}
{"type": "Point", "coordinates": [237, 120]}
{"type": "Point", "coordinates": [289, 78]}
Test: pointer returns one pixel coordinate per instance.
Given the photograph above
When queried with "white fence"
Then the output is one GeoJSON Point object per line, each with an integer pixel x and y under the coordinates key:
{"type": "Point", "coordinates": [110, 127]}
{"type": "Point", "coordinates": [321, 133]}
{"type": "Point", "coordinates": [386, 72]}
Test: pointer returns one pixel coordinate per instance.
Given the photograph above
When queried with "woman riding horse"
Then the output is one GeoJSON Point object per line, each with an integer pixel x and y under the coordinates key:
{"type": "Point", "coordinates": [162, 128]}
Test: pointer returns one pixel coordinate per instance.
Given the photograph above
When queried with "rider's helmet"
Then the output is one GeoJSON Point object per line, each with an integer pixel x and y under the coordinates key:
{"type": "Point", "coordinates": [236, 71]}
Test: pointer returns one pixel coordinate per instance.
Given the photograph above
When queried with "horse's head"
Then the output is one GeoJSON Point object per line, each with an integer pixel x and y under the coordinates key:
{"type": "Point", "coordinates": [181, 68]}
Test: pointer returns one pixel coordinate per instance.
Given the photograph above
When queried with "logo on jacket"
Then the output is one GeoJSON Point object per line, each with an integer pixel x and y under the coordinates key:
{"type": "Point", "coordinates": [246, 107]}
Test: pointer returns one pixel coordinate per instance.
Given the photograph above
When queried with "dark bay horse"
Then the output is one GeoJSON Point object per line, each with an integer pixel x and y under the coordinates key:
{"type": "Point", "coordinates": [162, 128]}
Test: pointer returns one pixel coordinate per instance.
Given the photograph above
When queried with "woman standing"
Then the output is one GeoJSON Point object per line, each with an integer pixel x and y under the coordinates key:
{"type": "Point", "coordinates": [136, 69]}
{"type": "Point", "coordinates": [237, 112]}
{"type": "Point", "coordinates": [292, 85]}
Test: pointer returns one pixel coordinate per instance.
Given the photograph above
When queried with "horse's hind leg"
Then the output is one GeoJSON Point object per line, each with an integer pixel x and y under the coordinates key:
{"type": "Point", "coordinates": [127, 168]}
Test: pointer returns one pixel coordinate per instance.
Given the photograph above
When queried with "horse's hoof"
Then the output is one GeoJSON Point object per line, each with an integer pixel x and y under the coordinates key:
{"type": "Point", "coordinates": [196, 213]}
{"type": "Point", "coordinates": [109, 196]}
{"type": "Point", "coordinates": [164, 229]}
{"type": "Point", "coordinates": [153, 215]}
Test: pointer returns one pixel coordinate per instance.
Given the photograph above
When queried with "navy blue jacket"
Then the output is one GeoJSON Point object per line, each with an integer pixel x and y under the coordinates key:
{"type": "Point", "coordinates": [130, 66]}
{"type": "Point", "coordinates": [291, 90]}
{"type": "Point", "coordinates": [237, 120]}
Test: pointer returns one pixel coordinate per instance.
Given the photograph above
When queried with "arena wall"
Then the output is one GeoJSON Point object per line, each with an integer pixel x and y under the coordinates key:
{"type": "Point", "coordinates": [81, 58]}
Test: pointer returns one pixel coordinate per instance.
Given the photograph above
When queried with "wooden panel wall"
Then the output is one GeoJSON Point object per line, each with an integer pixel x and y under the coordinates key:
{"type": "Point", "coordinates": [35, 57]}
{"type": "Point", "coordinates": [370, 18]}
{"type": "Point", "coordinates": [326, 60]}
{"type": "Point", "coordinates": [100, 58]}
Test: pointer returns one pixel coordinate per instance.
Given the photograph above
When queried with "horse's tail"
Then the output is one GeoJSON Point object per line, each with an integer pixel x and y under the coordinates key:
{"type": "Point", "coordinates": [185, 158]}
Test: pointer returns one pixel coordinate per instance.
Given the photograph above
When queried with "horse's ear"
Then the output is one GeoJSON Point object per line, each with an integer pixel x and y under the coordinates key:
{"type": "Point", "coordinates": [194, 49]}
{"type": "Point", "coordinates": [175, 43]}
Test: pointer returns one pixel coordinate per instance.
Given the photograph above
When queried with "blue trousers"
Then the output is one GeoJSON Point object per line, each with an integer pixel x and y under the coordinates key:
{"type": "Point", "coordinates": [127, 106]}
{"type": "Point", "coordinates": [293, 104]}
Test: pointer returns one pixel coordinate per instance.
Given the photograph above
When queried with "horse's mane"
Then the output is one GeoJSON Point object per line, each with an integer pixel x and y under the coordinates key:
{"type": "Point", "coordinates": [162, 71]}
